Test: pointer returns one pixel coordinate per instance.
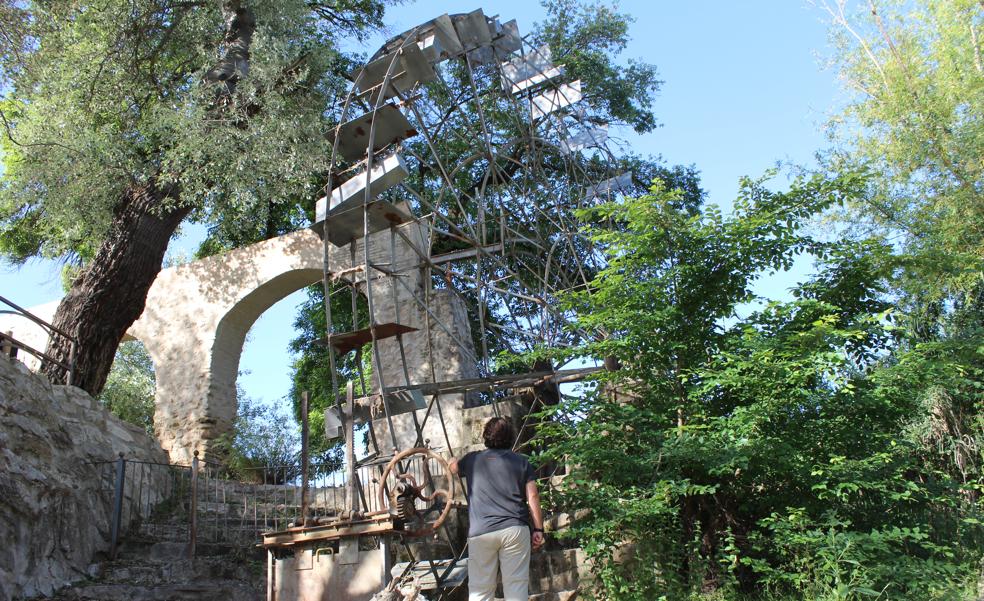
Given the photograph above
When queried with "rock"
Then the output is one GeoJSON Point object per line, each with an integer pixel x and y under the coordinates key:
{"type": "Point", "coordinates": [54, 505]}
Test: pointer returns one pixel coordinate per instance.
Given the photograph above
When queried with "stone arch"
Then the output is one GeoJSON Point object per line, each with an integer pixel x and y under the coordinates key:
{"type": "Point", "coordinates": [230, 336]}
{"type": "Point", "coordinates": [195, 322]}
{"type": "Point", "coordinates": [197, 315]}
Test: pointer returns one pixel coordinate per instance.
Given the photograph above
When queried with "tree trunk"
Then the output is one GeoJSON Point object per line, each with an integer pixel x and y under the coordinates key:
{"type": "Point", "coordinates": [110, 293]}
{"type": "Point", "coordinates": [234, 65]}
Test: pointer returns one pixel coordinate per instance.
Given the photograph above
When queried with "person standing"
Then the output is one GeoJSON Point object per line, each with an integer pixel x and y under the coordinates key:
{"type": "Point", "coordinates": [503, 504]}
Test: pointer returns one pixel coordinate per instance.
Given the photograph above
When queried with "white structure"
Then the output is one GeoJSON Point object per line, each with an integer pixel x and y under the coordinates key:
{"type": "Point", "coordinates": [197, 316]}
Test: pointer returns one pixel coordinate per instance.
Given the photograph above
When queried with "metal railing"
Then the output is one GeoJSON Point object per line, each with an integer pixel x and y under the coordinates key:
{"type": "Point", "coordinates": [10, 346]}
{"type": "Point", "coordinates": [211, 503]}
{"type": "Point", "coordinates": [147, 499]}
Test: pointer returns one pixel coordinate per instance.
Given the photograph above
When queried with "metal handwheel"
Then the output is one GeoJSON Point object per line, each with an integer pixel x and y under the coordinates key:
{"type": "Point", "coordinates": [401, 496]}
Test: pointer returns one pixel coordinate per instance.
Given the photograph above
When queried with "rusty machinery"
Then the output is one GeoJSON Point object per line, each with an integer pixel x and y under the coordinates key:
{"type": "Point", "coordinates": [461, 157]}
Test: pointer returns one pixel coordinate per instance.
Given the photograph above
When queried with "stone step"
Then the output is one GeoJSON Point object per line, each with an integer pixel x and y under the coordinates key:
{"type": "Point", "coordinates": [148, 570]}
{"type": "Point", "coordinates": [177, 571]}
{"type": "Point", "coordinates": [156, 550]}
{"type": "Point", "coordinates": [199, 591]}
{"type": "Point", "coordinates": [555, 596]}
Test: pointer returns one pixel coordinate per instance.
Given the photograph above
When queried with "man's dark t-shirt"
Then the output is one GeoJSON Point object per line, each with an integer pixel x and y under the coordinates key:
{"type": "Point", "coordinates": [496, 489]}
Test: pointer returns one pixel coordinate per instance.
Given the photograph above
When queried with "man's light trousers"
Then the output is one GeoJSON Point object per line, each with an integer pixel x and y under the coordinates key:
{"type": "Point", "coordinates": [509, 548]}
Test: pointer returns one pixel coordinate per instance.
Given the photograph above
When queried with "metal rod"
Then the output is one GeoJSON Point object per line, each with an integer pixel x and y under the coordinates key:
{"type": "Point", "coordinates": [350, 493]}
{"type": "Point", "coordinates": [399, 339]}
{"type": "Point", "coordinates": [117, 506]}
{"type": "Point", "coordinates": [271, 592]}
{"type": "Point", "coordinates": [304, 457]}
{"type": "Point", "coordinates": [40, 355]}
{"type": "Point", "coordinates": [377, 363]}
{"type": "Point", "coordinates": [193, 530]}
{"type": "Point", "coordinates": [35, 318]}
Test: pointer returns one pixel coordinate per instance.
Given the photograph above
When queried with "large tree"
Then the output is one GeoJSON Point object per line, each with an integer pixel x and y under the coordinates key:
{"type": "Point", "coordinates": [121, 120]}
{"type": "Point", "coordinates": [915, 122]}
{"type": "Point", "coordinates": [914, 118]}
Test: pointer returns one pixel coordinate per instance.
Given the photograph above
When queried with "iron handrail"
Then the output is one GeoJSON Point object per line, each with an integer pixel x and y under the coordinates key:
{"type": "Point", "coordinates": [33, 351]}
{"type": "Point", "coordinates": [51, 330]}
{"type": "Point", "coordinates": [18, 310]}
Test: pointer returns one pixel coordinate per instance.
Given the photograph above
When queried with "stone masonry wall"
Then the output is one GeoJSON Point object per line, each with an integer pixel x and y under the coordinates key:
{"type": "Point", "coordinates": [53, 506]}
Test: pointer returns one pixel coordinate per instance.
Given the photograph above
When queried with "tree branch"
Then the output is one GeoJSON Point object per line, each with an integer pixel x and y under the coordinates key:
{"type": "Point", "coordinates": [234, 65]}
{"type": "Point", "coordinates": [10, 136]}
{"type": "Point", "coordinates": [841, 19]}
{"type": "Point", "coordinates": [977, 46]}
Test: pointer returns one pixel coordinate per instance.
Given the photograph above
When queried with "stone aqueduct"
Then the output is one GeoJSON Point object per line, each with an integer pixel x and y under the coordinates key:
{"type": "Point", "coordinates": [197, 316]}
{"type": "Point", "coordinates": [194, 325]}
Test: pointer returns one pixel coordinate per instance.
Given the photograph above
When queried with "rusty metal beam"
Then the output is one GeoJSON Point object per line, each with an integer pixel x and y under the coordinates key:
{"type": "Point", "coordinates": [528, 379]}
{"type": "Point", "coordinates": [379, 523]}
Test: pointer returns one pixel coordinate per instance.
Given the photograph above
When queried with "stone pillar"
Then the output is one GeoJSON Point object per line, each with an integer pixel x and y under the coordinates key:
{"type": "Point", "coordinates": [440, 350]}
{"type": "Point", "coordinates": [195, 321]}
{"type": "Point", "coordinates": [447, 355]}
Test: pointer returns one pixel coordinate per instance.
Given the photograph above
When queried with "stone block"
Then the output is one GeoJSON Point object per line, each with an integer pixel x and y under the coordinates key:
{"type": "Point", "coordinates": [48, 468]}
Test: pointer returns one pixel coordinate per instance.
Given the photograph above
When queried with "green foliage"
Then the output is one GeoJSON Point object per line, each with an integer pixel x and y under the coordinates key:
{"type": "Point", "coordinates": [783, 452]}
{"type": "Point", "coordinates": [826, 447]}
{"type": "Point", "coordinates": [265, 443]}
{"type": "Point", "coordinates": [102, 96]}
{"type": "Point", "coordinates": [916, 76]}
{"type": "Point", "coordinates": [129, 391]}
{"type": "Point", "coordinates": [311, 370]}
{"type": "Point", "coordinates": [264, 435]}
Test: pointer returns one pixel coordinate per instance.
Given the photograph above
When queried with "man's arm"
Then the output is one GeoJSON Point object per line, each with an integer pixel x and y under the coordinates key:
{"type": "Point", "coordinates": [461, 467]}
{"type": "Point", "coordinates": [536, 514]}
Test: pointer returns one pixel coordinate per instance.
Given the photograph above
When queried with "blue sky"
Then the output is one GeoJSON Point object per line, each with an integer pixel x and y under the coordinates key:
{"type": "Point", "coordinates": [743, 89]}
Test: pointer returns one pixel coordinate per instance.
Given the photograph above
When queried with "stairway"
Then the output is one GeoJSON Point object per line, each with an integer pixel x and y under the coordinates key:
{"type": "Point", "coordinates": [148, 570]}
{"type": "Point", "coordinates": [556, 573]}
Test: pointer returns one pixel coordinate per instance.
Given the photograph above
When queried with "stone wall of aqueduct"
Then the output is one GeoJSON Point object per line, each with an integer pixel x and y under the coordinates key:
{"type": "Point", "coordinates": [197, 316]}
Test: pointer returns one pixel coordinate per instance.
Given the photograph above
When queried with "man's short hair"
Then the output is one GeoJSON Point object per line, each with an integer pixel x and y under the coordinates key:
{"type": "Point", "coordinates": [498, 433]}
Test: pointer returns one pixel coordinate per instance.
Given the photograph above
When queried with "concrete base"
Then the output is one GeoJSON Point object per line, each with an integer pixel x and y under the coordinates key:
{"type": "Point", "coordinates": [312, 574]}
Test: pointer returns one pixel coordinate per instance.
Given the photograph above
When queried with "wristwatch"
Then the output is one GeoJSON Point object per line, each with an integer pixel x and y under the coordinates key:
{"type": "Point", "coordinates": [540, 530]}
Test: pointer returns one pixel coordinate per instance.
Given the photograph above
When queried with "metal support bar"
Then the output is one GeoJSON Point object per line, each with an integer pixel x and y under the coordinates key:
{"type": "Point", "coordinates": [24, 312]}
{"type": "Point", "coordinates": [304, 457]}
{"type": "Point", "coordinates": [271, 592]}
{"type": "Point", "coordinates": [351, 502]}
{"type": "Point", "coordinates": [117, 506]}
{"type": "Point", "coordinates": [193, 529]}
{"type": "Point", "coordinates": [14, 343]}
{"type": "Point", "coordinates": [51, 331]}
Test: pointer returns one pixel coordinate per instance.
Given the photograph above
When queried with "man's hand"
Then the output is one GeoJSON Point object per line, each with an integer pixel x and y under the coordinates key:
{"type": "Point", "coordinates": [536, 515]}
